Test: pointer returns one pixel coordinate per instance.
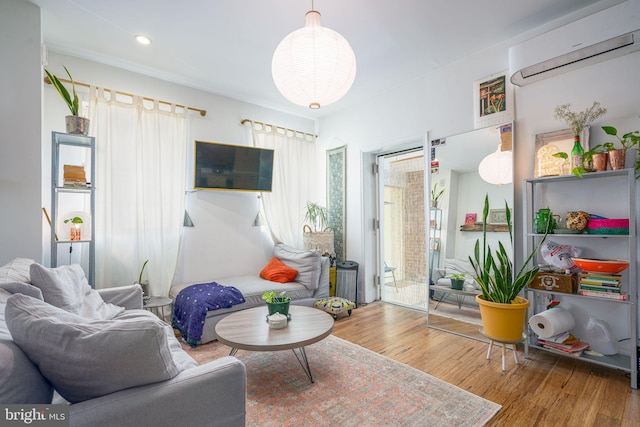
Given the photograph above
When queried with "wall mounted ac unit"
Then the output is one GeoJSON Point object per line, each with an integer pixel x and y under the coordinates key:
{"type": "Point", "coordinates": [604, 35]}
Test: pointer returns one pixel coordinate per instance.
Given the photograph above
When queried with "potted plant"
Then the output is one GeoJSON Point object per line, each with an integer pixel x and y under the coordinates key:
{"type": "Point", "coordinates": [594, 159]}
{"type": "Point", "coordinates": [277, 303]}
{"type": "Point", "coordinates": [74, 232]}
{"type": "Point", "coordinates": [503, 312]}
{"type": "Point", "coordinates": [317, 235]}
{"type": "Point", "coordinates": [74, 123]}
{"type": "Point", "coordinates": [577, 122]}
{"type": "Point", "coordinates": [457, 281]}
{"type": "Point", "coordinates": [144, 284]}
{"type": "Point", "coordinates": [435, 195]}
{"type": "Point", "coordinates": [617, 157]}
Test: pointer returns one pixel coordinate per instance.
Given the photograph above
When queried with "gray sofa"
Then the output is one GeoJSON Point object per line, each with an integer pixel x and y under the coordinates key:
{"type": "Point", "coordinates": [310, 285]}
{"type": "Point", "coordinates": [118, 364]}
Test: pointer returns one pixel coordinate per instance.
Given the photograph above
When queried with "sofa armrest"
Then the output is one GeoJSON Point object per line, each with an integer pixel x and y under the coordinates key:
{"type": "Point", "coordinates": [213, 394]}
{"type": "Point", "coordinates": [129, 297]}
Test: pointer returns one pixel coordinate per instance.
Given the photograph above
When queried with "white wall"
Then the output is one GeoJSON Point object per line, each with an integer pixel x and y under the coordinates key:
{"type": "Point", "coordinates": [20, 172]}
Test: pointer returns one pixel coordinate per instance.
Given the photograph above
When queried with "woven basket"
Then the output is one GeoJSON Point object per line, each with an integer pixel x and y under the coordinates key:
{"type": "Point", "coordinates": [321, 241]}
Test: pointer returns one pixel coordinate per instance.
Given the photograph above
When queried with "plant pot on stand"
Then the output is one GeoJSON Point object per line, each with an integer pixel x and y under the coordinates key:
{"type": "Point", "coordinates": [77, 125]}
{"type": "Point", "coordinates": [503, 322]}
{"type": "Point", "coordinates": [617, 158]}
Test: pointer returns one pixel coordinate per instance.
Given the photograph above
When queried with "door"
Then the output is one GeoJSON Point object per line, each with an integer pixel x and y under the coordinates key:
{"type": "Point", "coordinates": [402, 236]}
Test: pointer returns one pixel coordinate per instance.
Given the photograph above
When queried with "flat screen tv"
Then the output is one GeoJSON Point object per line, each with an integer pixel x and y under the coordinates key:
{"type": "Point", "coordinates": [232, 167]}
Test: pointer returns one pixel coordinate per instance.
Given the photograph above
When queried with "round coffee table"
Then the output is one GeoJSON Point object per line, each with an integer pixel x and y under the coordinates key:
{"type": "Point", "coordinates": [249, 330]}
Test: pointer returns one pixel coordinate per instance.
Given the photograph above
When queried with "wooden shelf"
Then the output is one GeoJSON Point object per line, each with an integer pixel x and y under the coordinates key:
{"type": "Point", "coordinates": [490, 227]}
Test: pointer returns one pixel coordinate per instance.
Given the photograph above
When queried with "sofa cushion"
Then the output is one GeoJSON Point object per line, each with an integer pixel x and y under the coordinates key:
{"type": "Point", "coordinates": [67, 288]}
{"type": "Point", "coordinates": [85, 359]}
{"type": "Point", "coordinates": [16, 270]}
{"type": "Point", "coordinates": [22, 288]}
{"type": "Point", "coordinates": [20, 380]}
{"type": "Point", "coordinates": [276, 271]}
{"type": "Point", "coordinates": [307, 263]}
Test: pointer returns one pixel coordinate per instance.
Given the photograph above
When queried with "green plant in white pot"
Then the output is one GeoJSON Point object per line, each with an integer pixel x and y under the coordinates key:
{"type": "Point", "coordinates": [74, 123]}
{"type": "Point", "coordinates": [500, 286]}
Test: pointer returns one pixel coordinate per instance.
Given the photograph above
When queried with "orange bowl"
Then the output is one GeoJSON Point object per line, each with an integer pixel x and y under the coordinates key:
{"type": "Point", "coordinates": [612, 266]}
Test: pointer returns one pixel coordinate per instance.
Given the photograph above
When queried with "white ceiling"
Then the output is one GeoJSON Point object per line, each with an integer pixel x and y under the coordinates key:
{"type": "Point", "coordinates": [225, 46]}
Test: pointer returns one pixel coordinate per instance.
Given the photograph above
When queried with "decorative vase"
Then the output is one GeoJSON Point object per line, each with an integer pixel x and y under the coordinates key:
{"type": "Point", "coordinates": [457, 284]}
{"type": "Point", "coordinates": [77, 125]}
{"type": "Point", "coordinates": [617, 158]}
{"type": "Point", "coordinates": [600, 162]}
{"type": "Point", "coordinates": [279, 305]}
{"type": "Point", "coordinates": [503, 322]}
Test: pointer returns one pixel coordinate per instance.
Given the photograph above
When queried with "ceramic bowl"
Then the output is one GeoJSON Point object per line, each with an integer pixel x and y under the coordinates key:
{"type": "Point", "coordinates": [612, 266]}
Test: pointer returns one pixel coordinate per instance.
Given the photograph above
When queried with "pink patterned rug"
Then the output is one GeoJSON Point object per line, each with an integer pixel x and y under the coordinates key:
{"type": "Point", "coordinates": [353, 387]}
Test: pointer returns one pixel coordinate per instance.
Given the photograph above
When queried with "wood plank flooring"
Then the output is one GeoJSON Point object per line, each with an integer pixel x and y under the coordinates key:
{"type": "Point", "coordinates": [544, 390]}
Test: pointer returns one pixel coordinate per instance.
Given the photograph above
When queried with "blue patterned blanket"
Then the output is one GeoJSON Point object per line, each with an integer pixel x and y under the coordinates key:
{"type": "Point", "coordinates": [193, 303]}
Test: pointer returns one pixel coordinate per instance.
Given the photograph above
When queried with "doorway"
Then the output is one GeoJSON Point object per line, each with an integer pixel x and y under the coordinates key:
{"type": "Point", "coordinates": [404, 275]}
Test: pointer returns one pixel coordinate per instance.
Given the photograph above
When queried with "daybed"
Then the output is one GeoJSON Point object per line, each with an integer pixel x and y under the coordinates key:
{"type": "Point", "coordinates": [118, 365]}
{"type": "Point", "coordinates": [310, 284]}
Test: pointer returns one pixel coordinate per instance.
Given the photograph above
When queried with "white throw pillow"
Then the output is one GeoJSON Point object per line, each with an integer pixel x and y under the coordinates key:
{"type": "Point", "coordinates": [16, 270]}
{"type": "Point", "coordinates": [307, 263]}
{"type": "Point", "coordinates": [86, 359]}
{"type": "Point", "coordinates": [67, 288]}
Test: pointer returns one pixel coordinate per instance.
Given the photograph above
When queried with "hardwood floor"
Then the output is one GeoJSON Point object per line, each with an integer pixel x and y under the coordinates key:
{"type": "Point", "coordinates": [544, 390]}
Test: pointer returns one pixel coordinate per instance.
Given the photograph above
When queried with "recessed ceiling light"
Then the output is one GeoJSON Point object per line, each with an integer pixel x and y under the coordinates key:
{"type": "Point", "coordinates": [143, 39]}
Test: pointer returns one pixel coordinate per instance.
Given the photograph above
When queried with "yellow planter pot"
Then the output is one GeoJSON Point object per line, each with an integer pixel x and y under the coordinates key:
{"type": "Point", "coordinates": [503, 322]}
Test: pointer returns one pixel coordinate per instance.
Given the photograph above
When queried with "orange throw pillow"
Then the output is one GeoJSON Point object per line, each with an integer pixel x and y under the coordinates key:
{"type": "Point", "coordinates": [276, 271]}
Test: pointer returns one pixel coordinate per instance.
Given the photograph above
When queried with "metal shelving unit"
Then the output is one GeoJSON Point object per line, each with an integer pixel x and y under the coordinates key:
{"type": "Point", "coordinates": [595, 193]}
{"type": "Point", "coordinates": [79, 198]}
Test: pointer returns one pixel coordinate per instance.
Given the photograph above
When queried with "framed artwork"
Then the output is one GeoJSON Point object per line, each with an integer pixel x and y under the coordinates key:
{"type": "Point", "coordinates": [470, 218]}
{"type": "Point", "coordinates": [336, 198]}
{"type": "Point", "coordinates": [549, 143]}
{"type": "Point", "coordinates": [493, 100]}
{"type": "Point", "coordinates": [497, 216]}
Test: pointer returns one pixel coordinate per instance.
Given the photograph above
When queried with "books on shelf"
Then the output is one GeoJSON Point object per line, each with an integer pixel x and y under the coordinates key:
{"type": "Point", "coordinates": [572, 346]}
{"type": "Point", "coordinates": [622, 296]}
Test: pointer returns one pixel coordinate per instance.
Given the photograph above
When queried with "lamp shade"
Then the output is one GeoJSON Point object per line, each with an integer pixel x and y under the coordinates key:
{"type": "Point", "coordinates": [313, 66]}
{"type": "Point", "coordinates": [497, 167]}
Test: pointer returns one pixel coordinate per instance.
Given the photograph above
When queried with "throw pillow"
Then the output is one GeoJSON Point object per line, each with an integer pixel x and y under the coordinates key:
{"type": "Point", "coordinates": [22, 288]}
{"type": "Point", "coordinates": [16, 270]}
{"type": "Point", "coordinates": [307, 263]}
{"type": "Point", "coordinates": [67, 288]}
{"type": "Point", "coordinates": [276, 271]}
{"type": "Point", "coordinates": [86, 359]}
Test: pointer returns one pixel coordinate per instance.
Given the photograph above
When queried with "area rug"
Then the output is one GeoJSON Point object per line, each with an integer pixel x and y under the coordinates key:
{"type": "Point", "coordinates": [353, 387]}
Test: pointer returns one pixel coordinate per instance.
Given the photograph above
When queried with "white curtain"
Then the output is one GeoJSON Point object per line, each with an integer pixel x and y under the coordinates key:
{"type": "Point", "coordinates": [293, 182]}
{"type": "Point", "coordinates": [140, 190]}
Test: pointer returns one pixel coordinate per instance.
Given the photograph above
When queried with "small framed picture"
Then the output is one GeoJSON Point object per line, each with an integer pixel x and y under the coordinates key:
{"type": "Point", "coordinates": [493, 100]}
{"type": "Point", "coordinates": [497, 216]}
{"type": "Point", "coordinates": [470, 218]}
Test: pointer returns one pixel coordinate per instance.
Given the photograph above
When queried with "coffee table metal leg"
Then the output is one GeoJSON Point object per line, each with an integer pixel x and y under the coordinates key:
{"type": "Point", "coordinates": [233, 352]}
{"type": "Point", "coordinates": [304, 362]}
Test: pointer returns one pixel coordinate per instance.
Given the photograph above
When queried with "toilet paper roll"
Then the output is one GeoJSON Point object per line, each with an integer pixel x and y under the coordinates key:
{"type": "Point", "coordinates": [551, 322]}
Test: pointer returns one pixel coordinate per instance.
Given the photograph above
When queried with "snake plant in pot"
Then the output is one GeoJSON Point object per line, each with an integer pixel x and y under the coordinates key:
{"type": "Point", "coordinates": [503, 312]}
{"type": "Point", "coordinates": [75, 124]}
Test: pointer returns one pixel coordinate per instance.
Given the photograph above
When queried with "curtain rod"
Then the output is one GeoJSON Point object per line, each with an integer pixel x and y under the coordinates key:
{"type": "Point", "coordinates": [244, 121]}
{"type": "Point", "coordinates": [202, 112]}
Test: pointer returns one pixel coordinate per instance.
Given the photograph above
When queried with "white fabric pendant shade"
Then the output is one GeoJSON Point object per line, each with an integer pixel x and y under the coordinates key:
{"type": "Point", "coordinates": [497, 167]}
{"type": "Point", "coordinates": [313, 66]}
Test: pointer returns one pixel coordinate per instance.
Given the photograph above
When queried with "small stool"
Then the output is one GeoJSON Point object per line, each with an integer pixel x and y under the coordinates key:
{"type": "Point", "coordinates": [335, 305]}
{"type": "Point", "coordinates": [504, 348]}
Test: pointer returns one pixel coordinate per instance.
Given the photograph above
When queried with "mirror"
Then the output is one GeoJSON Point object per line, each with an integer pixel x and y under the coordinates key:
{"type": "Point", "coordinates": [455, 220]}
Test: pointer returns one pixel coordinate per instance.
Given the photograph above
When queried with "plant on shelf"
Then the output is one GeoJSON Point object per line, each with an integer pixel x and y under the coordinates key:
{"type": "Point", "coordinates": [74, 220]}
{"type": "Point", "coordinates": [628, 140]}
{"type": "Point", "coordinates": [436, 195]}
{"type": "Point", "coordinates": [75, 123]}
{"type": "Point", "coordinates": [577, 122]}
{"type": "Point", "coordinates": [587, 158]}
{"type": "Point", "coordinates": [494, 273]}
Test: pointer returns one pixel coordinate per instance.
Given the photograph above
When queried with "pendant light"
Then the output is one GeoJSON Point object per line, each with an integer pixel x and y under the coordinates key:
{"type": "Point", "coordinates": [497, 167]}
{"type": "Point", "coordinates": [313, 66]}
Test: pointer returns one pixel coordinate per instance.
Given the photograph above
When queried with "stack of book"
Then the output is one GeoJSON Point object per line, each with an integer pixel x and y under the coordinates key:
{"type": "Point", "coordinates": [564, 343]}
{"type": "Point", "coordinates": [603, 285]}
